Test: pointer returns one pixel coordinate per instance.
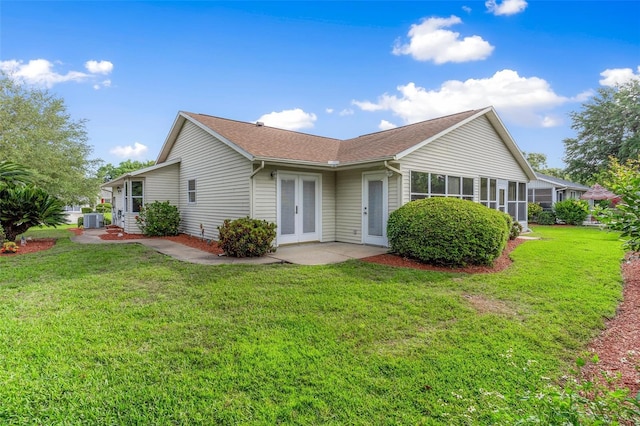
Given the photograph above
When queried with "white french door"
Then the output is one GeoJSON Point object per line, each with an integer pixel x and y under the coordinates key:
{"type": "Point", "coordinates": [374, 208]}
{"type": "Point", "coordinates": [298, 208]}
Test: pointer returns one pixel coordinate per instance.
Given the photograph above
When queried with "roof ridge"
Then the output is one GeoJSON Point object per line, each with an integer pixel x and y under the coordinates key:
{"type": "Point", "coordinates": [418, 122]}
{"type": "Point", "coordinates": [269, 127]}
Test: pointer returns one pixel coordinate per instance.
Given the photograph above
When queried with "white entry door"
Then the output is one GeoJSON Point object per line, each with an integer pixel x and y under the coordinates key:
{"type": "Point", "coordinates": [374, 209]}
{"type": "Point", "coordinates": [298, 208]}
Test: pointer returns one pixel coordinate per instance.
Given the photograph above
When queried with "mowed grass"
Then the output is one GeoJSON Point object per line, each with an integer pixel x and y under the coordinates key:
{"type": "Point", "coordinates": [119, 334]}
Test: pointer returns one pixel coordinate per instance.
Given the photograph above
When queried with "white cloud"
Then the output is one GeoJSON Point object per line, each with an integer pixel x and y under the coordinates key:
{"type": "Point", "coordinates": [506, 7]}
{"type": "Point", "coordinates": [429, 41]}
{"type": "Point", "coordinates": [346, 111]}
{"type": "Point", "coordinates": [466, 9]}
{"type": "Point", "coordinates": [39, 72]}
{"type": "Point", "coordinates": [519, 99]}
{"type": "Point", "coordinates": [135, 151]}
{"type": "Point", "coordinates": [290, 119]}
{"type": "Point", "coordinates": [386, 125]}
{"type": "Point", "coordinates": [102, 67]}
{"type": "Point", "coordinates": [616, 76]}
{"type": "Point", "coordinates": [329, 110]}
{"type": "Point", "coordinates": [105, 83]}
{"type": "Point", "coordinates": [551, 121]}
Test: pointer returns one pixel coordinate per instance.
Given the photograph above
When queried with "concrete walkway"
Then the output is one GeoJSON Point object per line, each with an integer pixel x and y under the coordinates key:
{"type": "Point", "coordinates": [299, 254]}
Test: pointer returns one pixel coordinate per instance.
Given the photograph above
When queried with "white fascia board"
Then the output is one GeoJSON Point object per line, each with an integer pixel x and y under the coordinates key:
{"type": "Point", "coordinates": [119, 179]}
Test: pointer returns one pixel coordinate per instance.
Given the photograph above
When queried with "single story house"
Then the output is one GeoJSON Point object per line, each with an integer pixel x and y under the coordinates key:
{"type": "Point", "coordinates": [323, 189]}
{"type": "Point", "coordinates": [547, 190]}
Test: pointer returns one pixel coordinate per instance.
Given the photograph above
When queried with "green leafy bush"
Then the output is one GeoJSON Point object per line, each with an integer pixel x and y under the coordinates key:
{"type": "Point", "coordinates": [86, 210]}
{"type": "Point", "coordinates": [246, 237]}
{"type": "Point", "coordinates": [624, 180]}
{"type": "Point", "coordinates": [515, 230]}
{"type": "Point", "coordinates": [572, 212]}
{"type": "Point", "coordinates": [158, 219]}
{"type": "Point", "coordinates": [103, 208]}
{"type": "Point", "coordinates": [546, 217]}
{"type": "Point", "coordinates": [80, 221]}
{"type": "Point", "coordinates": [533, 210]}
{"type": "Point", "coordinates": [448, 231]}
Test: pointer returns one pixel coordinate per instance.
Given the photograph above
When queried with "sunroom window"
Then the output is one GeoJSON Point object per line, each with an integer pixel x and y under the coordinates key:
{"type": "Point", "coordinates": [425, 185]}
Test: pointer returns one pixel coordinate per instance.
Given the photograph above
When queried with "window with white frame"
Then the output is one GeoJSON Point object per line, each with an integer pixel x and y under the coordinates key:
{"type": "Point", "coordinates": [191, 191]}
{"type": "Point", "coordinates": [517, 200]}
{"type": "Point", "coordinates": [137, 195]}
{"type": "Point", "coordinates": [425, 185]}
{"type": "Point", "coordinates": [489, 192]}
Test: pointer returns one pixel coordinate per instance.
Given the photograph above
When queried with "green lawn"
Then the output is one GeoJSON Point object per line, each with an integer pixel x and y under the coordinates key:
{"type": "Point", "coordinates": [118, 334]}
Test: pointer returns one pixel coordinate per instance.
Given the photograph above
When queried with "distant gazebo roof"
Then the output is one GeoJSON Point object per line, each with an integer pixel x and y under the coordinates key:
{"type": "Point", "coordinates": [597, 192]}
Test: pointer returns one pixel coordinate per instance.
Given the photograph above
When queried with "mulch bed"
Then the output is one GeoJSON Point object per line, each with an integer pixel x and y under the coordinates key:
{"type": "Point", "coordinates": [115, 234]}
{"type": "Point", "coordinates": [33, 246]}
{"type": "Point", "coordinates": [618, 347]}
{"type": "Point", "coordinates": [500, 264]}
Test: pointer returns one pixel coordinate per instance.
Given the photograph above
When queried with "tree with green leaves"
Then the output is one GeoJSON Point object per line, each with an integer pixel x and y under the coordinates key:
{"type": "Point", "coordinates": [538, 162]}
{"type": "Point", "coordinates": [607, 126]}
{"type": "Point", "coordinates": [623, 179]}
{"type": "Point", "coordinates": [108, 171]}
{"type": "Point", "coordinates": [23, 205]}
{"type": "Point", "coordinates": [37, 131]}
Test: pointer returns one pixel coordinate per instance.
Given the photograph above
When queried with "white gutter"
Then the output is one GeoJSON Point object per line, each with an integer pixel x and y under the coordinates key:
{"type": "Point", "coordinates": [393, 169]}
{"type": "Point", "coordinates": [255, 172]}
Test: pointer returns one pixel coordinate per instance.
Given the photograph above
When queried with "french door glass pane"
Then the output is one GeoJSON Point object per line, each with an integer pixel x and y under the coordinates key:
{"type": "Point", "coordinates": [309, 206]}
{"type": "Point", "coordinates": [287, 206]}
{"type": "Point", "coordinates": [375, 208]}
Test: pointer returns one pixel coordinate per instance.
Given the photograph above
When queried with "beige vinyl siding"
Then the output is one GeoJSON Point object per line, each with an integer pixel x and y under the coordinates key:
{"type": "Point", "coordinates": [264, 195]}
{"type": "Point", "coordinates": [222, 181]}
{"type": "Point", "coordinates": [162, 185]}
{"type": "Point", "coordinates": [540, 184]}
{"type": "Point", "coordinates": [349, 206]}
{"type": "Point", "coordinates": [328, 206]}
{"type": "Point", "coordinates": [474, 150]}
{"type": "Point", "coordinates": [394, 192]}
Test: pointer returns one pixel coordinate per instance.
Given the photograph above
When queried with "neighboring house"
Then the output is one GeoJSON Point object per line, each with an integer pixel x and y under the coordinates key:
{"type": "Point", "coordinates": [322, 189]}
{"type": "Point", "coordinates": [547, 190]}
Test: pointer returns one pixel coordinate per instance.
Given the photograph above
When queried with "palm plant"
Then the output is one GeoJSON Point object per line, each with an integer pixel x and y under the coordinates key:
{"type": "Point", "coordinates": [23, 205]}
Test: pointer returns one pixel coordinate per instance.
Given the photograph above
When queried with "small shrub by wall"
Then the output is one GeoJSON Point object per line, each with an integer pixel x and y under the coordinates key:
{"type": "Point", "coordinates": [448, 231]}
{"type": "Point", "coordinates": [546, 218]}
{"type": "Point", "coordinates": [572, 212]}
{"type": "Point", "coordinates": [246, 237]}
{"type": "Point", "coordinates": [86, 210]}
{"type": "Point", "coordinates": [533, 210]}
{"type": "Point", "coordinates": [158, 219]}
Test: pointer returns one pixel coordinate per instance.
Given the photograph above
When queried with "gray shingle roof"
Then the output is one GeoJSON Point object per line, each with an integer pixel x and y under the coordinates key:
{"type": "Point", "coordinates": [561, 182]}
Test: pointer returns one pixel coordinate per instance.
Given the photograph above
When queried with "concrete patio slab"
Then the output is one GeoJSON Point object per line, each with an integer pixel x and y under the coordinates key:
{"type": "Point", "coordinates": [299, 254]}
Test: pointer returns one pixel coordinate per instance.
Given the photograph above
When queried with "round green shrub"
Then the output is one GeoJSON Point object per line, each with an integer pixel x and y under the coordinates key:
{"type": "Point", "coordinates": [246, 237]}
{"type": "Point", "coordinates": [546, 217]}
{"type": "Point", "coordinates": [103, 208]}
{"type": "Point", "coordinates": [533, 210]}
{"type": "Point", "coordinates": [159, 219]}
{"type": "Point", "coordinates": [572, 212]}
{"type": "Point", "coordinates": [448, 231]}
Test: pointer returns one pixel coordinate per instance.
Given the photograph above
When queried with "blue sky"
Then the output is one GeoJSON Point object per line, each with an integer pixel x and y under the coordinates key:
{"type": "Point", "coordinates": [336, 69]}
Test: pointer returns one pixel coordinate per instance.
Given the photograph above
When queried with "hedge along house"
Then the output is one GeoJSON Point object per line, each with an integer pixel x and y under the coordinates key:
{"type": "Point", "coordinates": [547, 190]}
{"type": "Point", "coordinates": [322, 189]}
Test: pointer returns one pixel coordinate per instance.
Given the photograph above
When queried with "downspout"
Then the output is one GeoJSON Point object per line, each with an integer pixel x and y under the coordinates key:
{"type": "Point", "coordinates": [255, 172]}
{"type": "Point", "coordinates": [393, 169]}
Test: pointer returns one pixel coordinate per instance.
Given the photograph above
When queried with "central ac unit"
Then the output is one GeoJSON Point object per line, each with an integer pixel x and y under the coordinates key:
{"type": "Point", "coordinates": [93, 220]}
